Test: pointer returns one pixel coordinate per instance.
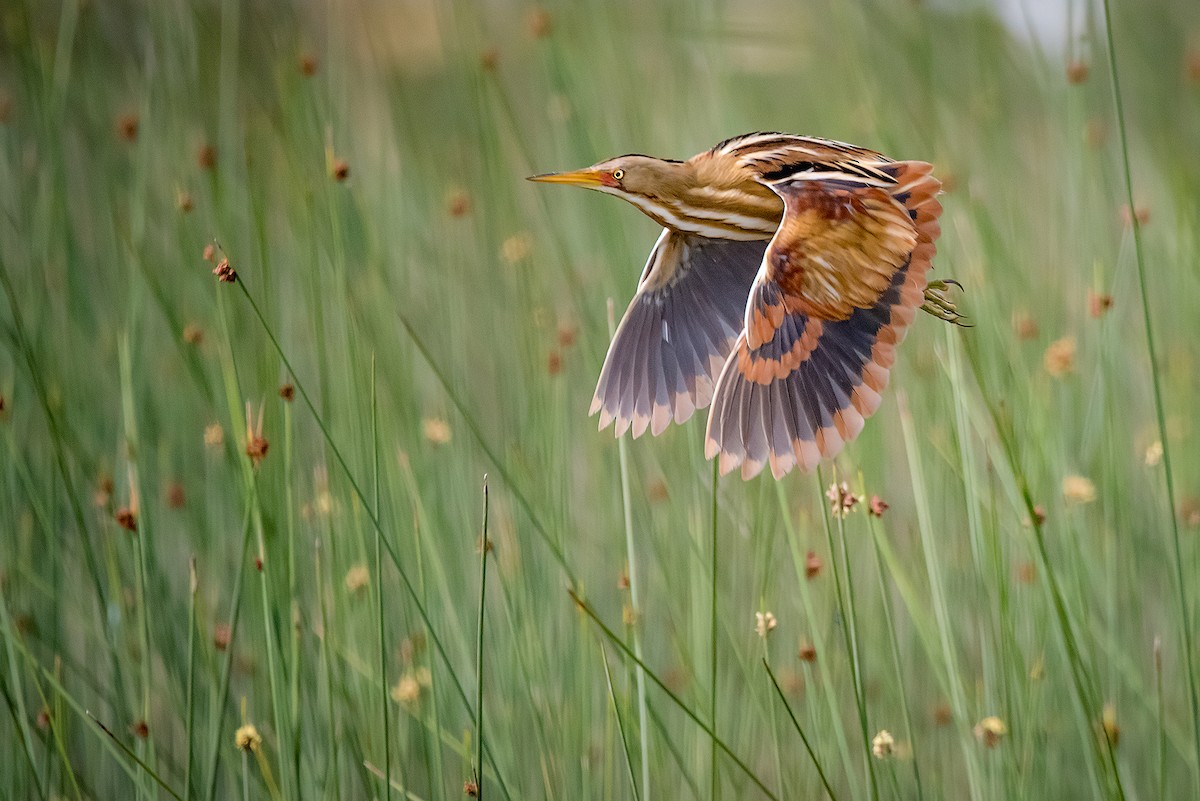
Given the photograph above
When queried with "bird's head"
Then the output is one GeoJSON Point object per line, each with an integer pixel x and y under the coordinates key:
{"type": "Point", "coordinates": [628, 177]}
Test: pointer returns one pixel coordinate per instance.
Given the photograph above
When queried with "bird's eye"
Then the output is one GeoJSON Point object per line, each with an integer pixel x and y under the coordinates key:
{"type": "Point", "coordinates": [618, 174]}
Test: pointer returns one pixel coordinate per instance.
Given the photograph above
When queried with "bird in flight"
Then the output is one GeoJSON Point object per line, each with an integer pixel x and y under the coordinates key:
{"type": "Point", "coordinates": [788, 270]}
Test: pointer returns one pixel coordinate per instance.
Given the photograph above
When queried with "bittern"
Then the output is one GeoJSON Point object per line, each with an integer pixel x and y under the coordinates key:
{"type": "Point", "coordinates": [788, 270]}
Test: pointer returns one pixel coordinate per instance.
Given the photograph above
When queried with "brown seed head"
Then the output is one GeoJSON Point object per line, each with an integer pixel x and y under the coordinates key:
{"type": "Point", "coordinates": [1095, 133]}
{"type": "Point", "coordinates": [308, 65]}
{"type": "Point", "coordinates": [943, 715]}
{"type": "Point", "coordinates": [656, 491]}
{"type": "Point", "coordinates": [127, 126]}
{"type": "Point", "coordinates": [554, 362]}
{"type": "Point", "coordinates": [340, 169]}
{"type": "Point", "coordinates": [224, 272]}
{"type": "Point", "coordinates": [1108, 723]}
{"type": "Point", "coordinates": [623, 580]}
{"type": "Point", "coordinates": [222, 635]}
{"type": "Point", "coordinates": [287, 392]}
{"type": "Point", "coordinates": [489, 59]}
{"type": "Point", "coordinates": [1026, 572]}
{"type": "Point", "coordinates": [176, 498]}
{"type": "Point", "coordinates": [1142, 213]}
{"type": "Point", "coordinates": [140, 729]}
{"type": "Point", "coordinates": [807, 652]}
{"type": "Point", "coordinates": [210, 252]}
{"type": "Point", "coordinates": [567, 334]}
{"type": "Point", "coordinates": [126, 518]}
{"type": "Point", "coordinates": [471, 788]}
{"type": "Point", "coordinates": [877, 506]}
{"type": "Point", "coordinates": [256, 448]}
{"type": "Point", "coordinates": [103, 492]}
{"type": "Point", "coordinates": [193, 334]}
{"type": "Point", "coordinates": [812, 565]}
{"type": "Point", "coordinates": [539, 22]}
{"type": "Point", "coordinates": [1077, 71]}
{"type": "Point", "coordinates": [1024, 326]}
{"type": "Point", "coordinates": [458, 203]}
{"type": "Point", "coordinates": [206, 156]}
{"type": "Point", "coordinates": [1191, 66]}
{"type": "Point", "coordinates": [1039, 513]}
{"type": "Point", "coordinates": [43, 718]}
{"type": "Point", "coordinates": [1189, 511]}
{"type": "Point", "coordinates": [1098, 304]}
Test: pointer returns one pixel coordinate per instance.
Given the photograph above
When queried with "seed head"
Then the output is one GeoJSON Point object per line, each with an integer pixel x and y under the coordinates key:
{"type": "Point", "coordinates": [224, 272]}
{"type": "Point", "coordinates": [287, 392]}
{"type": "Point", "coordinates": [193, 334]}
{"type": "Point", "coordinates": [807, 652]}
{"type": "Point", "coordinates": [883, 745]}
{"type": "Point", "coordinates": [471, 788]}
{"type": "Point", "coordinates": [516, 248]}
{"type": "Point", "coordinates": [1099, 304]}
{"type": "Point", "coordinates": [206, 156]}
{"type": "Point", "coordinates": [222, 635]}
{"type": "Point", "coordinates": [1077, 71]}
{"type": "Point", "coordinates": [554, 362]}
{"type": "Point", "coordinates": [877, 506]}
{"type": "Point", "coordinates": [183, 201]}
{"type": "Point", "coordinates": [458, 203]}
{"type": "Point", "coordinates": [1108, 723]}
{"type": "Point", "coordinates": [539, 23]}
{"type": "Point", "coordinates": [357, 577]}
{"type": "Point", "coordinates": [126, 518]}
{"type": "Point", "coordinates": [1154, 452]}
{"type": "Point", "coordinates": [436, 430]}
{"type": "Point", "coordinates": [1059, 359]}
{"type": "Point", "coordinates": [340, 169]}
{"type": "Point", "coordinates": [127, 126]}
{"type": "Point", "coordinates": [214, 435]}
{"type": "Point", "coordinates": [812, 565]}
{"type": "Point", "coordinates": [247, 738]}
{"type": "Point", "coordinates": [1078, 489]}
{"type": "Point", "coordinates": [140, 729]}
{"type": "Point", "coordinates": [1024, 326]}
{"type": "Point", "coordinates": [764, 623]}
{"type": "Point", "coordinates": [990, 731]}
{"type": "Point", "coordinates": [176, 498]}
{"type": "Point", "coordinates": [308, 65]}
{"type": "Point", "coordinates": [210, 252]}
{"type": "Point", "coordinates": [841, 500]}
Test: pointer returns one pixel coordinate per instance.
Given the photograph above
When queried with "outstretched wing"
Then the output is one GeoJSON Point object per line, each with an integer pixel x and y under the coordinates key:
{"type": "Point", "coordinates": [838, 286]}
{"type": "Point", "coordinates": [675, 335]}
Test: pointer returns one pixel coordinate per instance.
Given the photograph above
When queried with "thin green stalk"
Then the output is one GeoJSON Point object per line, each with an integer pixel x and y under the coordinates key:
{"type": "Point", "coordinates": [190, 725]}
{"type": "Point", "coordinates": [706, 728]}
{"type": "Point", "coordinates": [612, 695]}
{"type": "Point", "coordinates": [149, 771]}
{"type": "Point", "coordinates": [383, 673]}
{"type": "Point", "coordinates": [484, 546]}
{"type": "Point", "coordinates": [1156, 384]}
{"type": "Point", "coordinates": [713, 786]}
{"type": "Point", "coordinates": [634, 593]}
{"type": "Point", "coordinates": [845, 597]}
{"type": "Point", "coordinates": [800, 730]}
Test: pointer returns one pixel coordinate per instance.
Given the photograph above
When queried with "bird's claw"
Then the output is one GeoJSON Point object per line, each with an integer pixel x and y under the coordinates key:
{"type": "Point", "coordinates": [939, 304]}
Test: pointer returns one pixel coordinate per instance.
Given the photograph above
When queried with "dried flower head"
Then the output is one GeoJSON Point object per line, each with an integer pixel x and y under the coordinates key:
{"type": "Point", "coordinates": [436, 430]}
{"type": "Point", "coordinates": [471, 788]}
{"type": "Point", "coordinates": [1026, 572]}
{"type": "Point", "coordinates": [458, 203]}
{"type": "Point", "coordinates": [554, 362]}
{"type": "Point", "coordinates": [127, 126]}
{"type": "Point", "coordinates": [43, 718]}
{"type": "Point", "coordinates": [407, 690]}
{"type": "Point", "coordinates": [1098, 303]}
{"type": "Point", "coordinates": [256, 443]}
{"type": "Point", "coordinates": [812, 565]}
{"type": "Point", "coordinates": [308, 65]}
{"type": "Point", "coordinates": [222, 635]}
{"type": "Point", "coordinates": [807, 652]}
{"type": "Point", "coordinates": [1059, 359]}
{"type": "Point", "coordinates": [1189, 511]}
{"type": "Point", "coordinates": [1025, 327]}
{"type": "Point", "coordinates": [210, 252]}
{"type": "Point", "coordinates": [126, 518]}
{"type": "Point", "coordinates": [517, 247]}
{"type": "Point", "coordinates": [1095, 133]}
{"type": "Point", "coordinates": [1154, 452]}
{"type": "Point", "coordinates": [214, 435]}
{"type": "Point", "coordinates": [1108, 723]}
{"type": "Point", "coordinates": [1039, 514]}
{"type": "Point", "coordinates": [206, 156]}
{"type": "Point", "coordinates": [841, 500]}
{"type": "Point", "coordinates": [883, 745]}
{"type": "Point", "coordinates": [340, 170]}
{"type": "Point", "coordinates": [877, 506]}
{"type": "Point", "coordinates": [357, 578]}
{"type": "Point", "coordinates": [489, 59]}
{"type": "Point", "coordinates": [990, 731]}
{"type": "Point", "coordinates": [943, 715]}
{"type": "Point", "coordinates": [247, 738]}
{"type": "Point", "coordinates": [224, 272]}
{"type": "Point", "coordinates": [1078, 489]}
{"type": "Point", "coordinates": [140, 729]}
{"type": "Point", "coordinates": [539, 23]}
{"type": "Point", "coordinates": [657, 491]}
{"type": "Point", "coordinates": [287, 392]}
{"type": "Point", "coordinates": [183, 201]}
{"type": "Point", "coordinates": [764, 623]}
{"type": "Point", "coordinates": [1077, 71]}
{"type": "Point", "coordinates": [193, 334]}
{"type": "Point", "coordinates": [1140, 213]}
{"type": "Point", "coordinates": [176, 497]}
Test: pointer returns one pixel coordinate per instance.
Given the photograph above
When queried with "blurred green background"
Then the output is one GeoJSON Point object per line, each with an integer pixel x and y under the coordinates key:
{"type": "Point", "coordinates": [361, 165]}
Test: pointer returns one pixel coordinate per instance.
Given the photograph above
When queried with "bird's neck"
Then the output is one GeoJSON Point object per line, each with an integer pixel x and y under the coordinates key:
{"type": "Point", "coordinates": [713, 201]}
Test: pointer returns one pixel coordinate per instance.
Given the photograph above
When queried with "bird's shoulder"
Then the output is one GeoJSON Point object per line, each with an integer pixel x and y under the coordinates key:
{"type": "Point", "coordinates": [773, 155]}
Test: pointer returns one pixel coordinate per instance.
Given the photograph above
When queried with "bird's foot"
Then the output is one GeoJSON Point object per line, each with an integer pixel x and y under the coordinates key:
{"type": "Point", "coordinates": [939, 304]}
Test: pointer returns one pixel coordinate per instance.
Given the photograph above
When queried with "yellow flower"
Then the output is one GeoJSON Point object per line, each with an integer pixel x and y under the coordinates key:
{"type": "Point", "coordinates": [247, 738]}
{"type": "Point", "coordinates": [1060, 357]}
{"type": "Point", "coordinates": [1078, 489]}
{"type": "Point", "coordinates": [884, 744]}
